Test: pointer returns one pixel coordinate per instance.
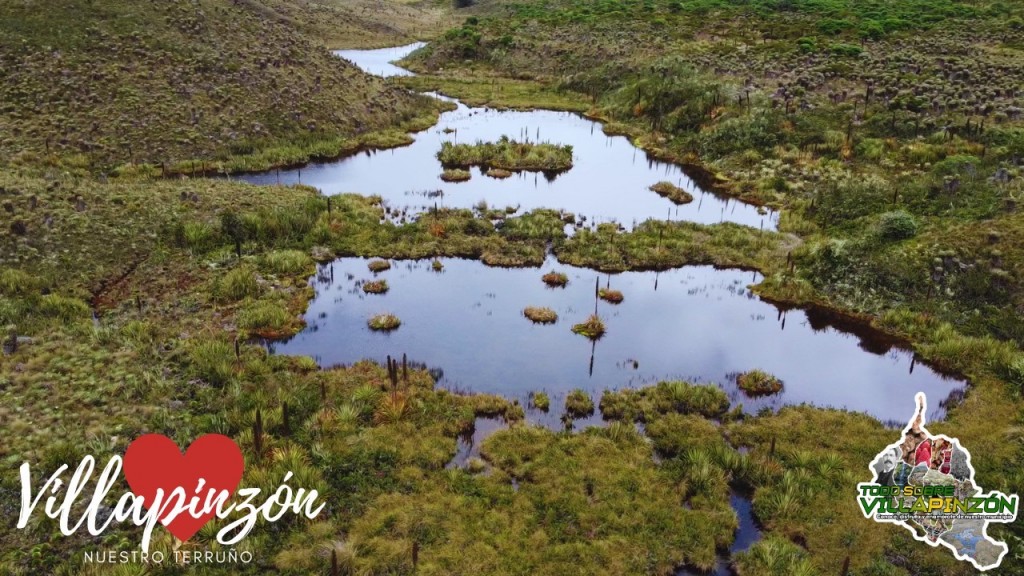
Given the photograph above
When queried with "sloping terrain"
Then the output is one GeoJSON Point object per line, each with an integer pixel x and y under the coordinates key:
{"type": "Point", "coordinates": [100, 83]}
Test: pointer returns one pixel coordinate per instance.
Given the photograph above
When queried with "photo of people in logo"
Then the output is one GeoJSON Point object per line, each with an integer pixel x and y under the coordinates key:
{"type": "Point", "coordinates": [920, 455]}
{"type": "Point", "coordinates": [919, 460]}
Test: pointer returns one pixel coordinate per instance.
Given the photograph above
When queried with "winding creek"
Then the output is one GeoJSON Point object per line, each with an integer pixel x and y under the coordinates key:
{"type": "Point", "coordinates": [696, 323]}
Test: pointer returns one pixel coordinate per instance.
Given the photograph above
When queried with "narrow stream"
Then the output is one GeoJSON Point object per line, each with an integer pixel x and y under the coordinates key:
{"type": "Point", "coordinates": [608, 182]}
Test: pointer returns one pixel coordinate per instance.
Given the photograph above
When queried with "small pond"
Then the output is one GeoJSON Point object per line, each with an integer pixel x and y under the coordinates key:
{"type": "Point", "coordinates": [694, 323]}
{"type": "Point", "coordinates": [608, 182]}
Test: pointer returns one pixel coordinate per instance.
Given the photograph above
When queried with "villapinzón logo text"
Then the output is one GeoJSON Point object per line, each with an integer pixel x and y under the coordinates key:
{"type": "Point", "coordinates": [926, 484]}
{"type": "Point", "coordinates": [181, 492]}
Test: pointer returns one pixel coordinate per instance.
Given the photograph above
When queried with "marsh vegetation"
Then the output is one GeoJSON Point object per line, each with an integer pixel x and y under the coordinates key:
{"type": "Point", "coordinates": [540, 314]}
{"type": "Point", "coordinates": [384, 322]}
{"type": "Point", "coordinates": [593, 327]}
{"type": "Point", "coordinates": [506, 155]}
{"type": "Point", "coordinates": [758, 383]}
{"type": "Point", "coordinates": [888, 135]}
{"type": "Point", "coordinates": [674, 193]}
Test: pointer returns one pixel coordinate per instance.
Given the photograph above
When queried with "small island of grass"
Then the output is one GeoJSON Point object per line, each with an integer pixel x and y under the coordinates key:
{"type": "Point", "coordinates": [378, 265]}
{"type": "Point", "coordinates": [506, 155]}
{"type": "Point", "coordinates": [384, 322]}
{"type": "Point", "coordinates": [758, 383]}
{"type": "Point", "coordinates": [499, 173]}
{"type": "Point", "coordinates": [375, 286]}
{"type": "Point", "coordinates": [540, 401]}
{"type": "Point", "coordinates": [555, 279]}
{"type": "Point", "coordinates": [455, 175]}
{"type": "Point", "coordinates": [593, 328]}
{"type": "Point", "coordinates": [672, 192]}
{"type": "Point", "coordinates": [540, 315]}
{"type": "Point", "coordinates": [578, 404]}
{"type": "Point", "coordinates": [610, 296]}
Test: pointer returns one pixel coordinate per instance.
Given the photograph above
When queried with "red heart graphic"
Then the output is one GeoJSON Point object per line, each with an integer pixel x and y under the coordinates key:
{"type": "Point", "coordinates": [154, 461]}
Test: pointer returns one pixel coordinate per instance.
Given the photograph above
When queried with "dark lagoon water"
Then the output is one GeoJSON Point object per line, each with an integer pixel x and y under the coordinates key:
{"type": "Point", "coordinates": [695, 323]}
{"type": "Point", "coordinates": [608, 182]}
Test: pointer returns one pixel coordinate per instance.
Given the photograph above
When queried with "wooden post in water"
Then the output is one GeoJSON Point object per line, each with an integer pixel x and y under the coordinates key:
{"type": "Point", "coordinates": [597, 292]}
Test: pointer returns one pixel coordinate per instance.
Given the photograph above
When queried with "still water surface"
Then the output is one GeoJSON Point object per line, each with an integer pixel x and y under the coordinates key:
{"type": "Point", "coordinates": [608, 182]}
{"type": "Point", "coordinates": [695, 323]}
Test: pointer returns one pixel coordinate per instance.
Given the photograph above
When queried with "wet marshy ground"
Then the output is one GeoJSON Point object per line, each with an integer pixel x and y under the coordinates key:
{"type": "Point", "coordinates": [609, 181]}
{"type": "Point", "coordinates": [695, 323]}
{"type": "Point", "coordinates": [465, 321]}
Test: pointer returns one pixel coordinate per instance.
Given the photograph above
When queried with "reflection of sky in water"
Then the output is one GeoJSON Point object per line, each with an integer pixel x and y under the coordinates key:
{"type": "Point", "coordinates": [699, 324]}
{"type": "Point", "coordinates": [609, 180]}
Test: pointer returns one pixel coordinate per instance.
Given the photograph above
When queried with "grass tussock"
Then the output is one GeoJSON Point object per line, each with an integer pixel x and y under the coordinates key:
{"type": "Point", "coordinates": [758, 383]}
{"type": "Point", "coordinates": [455, 175]}
{"type": "Point", "coordinates": [384, 322]}
{"type": "Point", "coordinates": [540, 401]}
{"type": "Point", "coordinates": [674, 193]}
{"type": "Point", "coordinates": [540, 314]}
{"type": "Point", "coordinates": [378, 265]}
{"type": "Point", "coordinates": [499, 173]}
{"type": "Point", "coordinates": [555, 279]}
{"type": "Point", "coordinates": [579, 404]}
{"type": "Point", "coordinates": [269, 319]}
{"type": "Point", "coordinates": [238, 284]}
{"type": "Point", "coordinates": [375, 286]}
{"type": "Point", "coordinates": [593, 327]}
{"type": "Point", "coordinates": [610, 296]}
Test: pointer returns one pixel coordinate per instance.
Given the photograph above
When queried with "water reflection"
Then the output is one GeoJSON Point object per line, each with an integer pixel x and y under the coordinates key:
{"type": "Point", "coordinates": [696, 323]}
{"type": "Point", "coordinates": [608, 182]}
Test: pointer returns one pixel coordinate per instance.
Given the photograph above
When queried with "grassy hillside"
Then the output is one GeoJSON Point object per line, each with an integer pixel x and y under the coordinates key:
{"type": "Point", "coordinates": [100, 83]}
{"type": "Point", "coordinates": [366, 23]}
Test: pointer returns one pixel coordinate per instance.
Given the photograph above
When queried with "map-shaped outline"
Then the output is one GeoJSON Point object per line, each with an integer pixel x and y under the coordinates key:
{"type": "Point", "coordinates": [920, 415]}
